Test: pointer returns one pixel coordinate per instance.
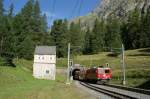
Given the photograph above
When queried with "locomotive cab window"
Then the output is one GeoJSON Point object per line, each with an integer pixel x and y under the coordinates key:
{"type": "Point", "coordinates": [100, 71]}
{"type": "Point", "coordinates": [107, 71]}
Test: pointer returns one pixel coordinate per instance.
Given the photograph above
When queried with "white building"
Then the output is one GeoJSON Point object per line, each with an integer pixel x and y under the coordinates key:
{"type": "Point", "coordinates": [44, 66]}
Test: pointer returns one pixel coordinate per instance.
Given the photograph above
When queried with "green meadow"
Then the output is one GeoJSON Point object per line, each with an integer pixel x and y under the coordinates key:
{"type": "Point", "coordinates": [137, 66]}
{"type": "Point", "coordinates": [18, 82]}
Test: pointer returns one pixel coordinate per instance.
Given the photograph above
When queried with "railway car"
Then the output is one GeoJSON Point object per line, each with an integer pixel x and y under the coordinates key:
{"type": "Point", "coordinates": [99, 75]}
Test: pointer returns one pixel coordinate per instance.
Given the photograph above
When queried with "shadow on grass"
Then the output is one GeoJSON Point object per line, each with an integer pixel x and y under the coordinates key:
{"type": "Point", "coordinates": [145, 85]}
{"type": "Point", "coordinates": [113, 55]}
{"type": "Point", "coordinates": [140, 54]}
{"type": "Point", "coordinates": [145, 50]}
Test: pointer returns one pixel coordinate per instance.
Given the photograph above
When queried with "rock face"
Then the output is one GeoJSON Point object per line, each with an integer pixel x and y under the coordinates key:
{"type": "Point", "coordinates": [117, 8]}
{"type": "Point", "coordinates": [120, 8]}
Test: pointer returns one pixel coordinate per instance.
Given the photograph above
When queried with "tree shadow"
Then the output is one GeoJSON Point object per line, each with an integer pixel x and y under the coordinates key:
{"type": "Point", "coordinates": [145, 85]}
{"type": "Point", "coordinates": [142, 54]}
{"type": "Point", "coordinates": [145, 50]}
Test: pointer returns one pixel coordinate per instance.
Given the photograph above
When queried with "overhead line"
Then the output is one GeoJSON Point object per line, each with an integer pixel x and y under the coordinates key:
{"type": "Point", "coordinates": [80, 7]}
{"type": "Point", "coordinates": [74, 9]}
{"type": "Point", "coordinates": [97, 4]}
{"type": "Point", "coordinates": [53, 9]}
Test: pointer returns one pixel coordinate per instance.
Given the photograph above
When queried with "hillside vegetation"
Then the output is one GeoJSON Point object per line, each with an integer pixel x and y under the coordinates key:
{"type": "Point", "coordinates": [18, 83]}
{"type": "Point", "coordinates": [137, 64]}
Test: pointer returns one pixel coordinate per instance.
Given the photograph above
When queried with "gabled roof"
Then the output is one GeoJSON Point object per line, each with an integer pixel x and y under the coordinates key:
{"type": "Point", "coordinates": [45, 50]}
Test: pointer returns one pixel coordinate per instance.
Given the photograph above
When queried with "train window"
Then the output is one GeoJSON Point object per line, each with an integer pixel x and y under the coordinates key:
{"type": "Point", "coordinates": [107, 71]}
{"type": "Point", "coordinates": [100, 71]}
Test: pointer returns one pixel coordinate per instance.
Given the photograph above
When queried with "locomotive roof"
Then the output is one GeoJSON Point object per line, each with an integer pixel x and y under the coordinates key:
{"type": "Point", "coordinates": [99, 67]}
{"type": "Point", "coordinates": [104, 67]}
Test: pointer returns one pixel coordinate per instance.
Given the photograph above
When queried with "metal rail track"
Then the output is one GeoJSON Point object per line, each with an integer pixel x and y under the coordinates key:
{"type": "Point", "coordinates": [107, 92]}
{"type": "Point", "coordinates": [143, 91]}
{"type": "Point", "coordinates": [118, 92]}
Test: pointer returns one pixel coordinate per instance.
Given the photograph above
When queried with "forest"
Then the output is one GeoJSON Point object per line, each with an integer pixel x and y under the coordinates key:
{"type": "Point", "coordinates": [21, 32]}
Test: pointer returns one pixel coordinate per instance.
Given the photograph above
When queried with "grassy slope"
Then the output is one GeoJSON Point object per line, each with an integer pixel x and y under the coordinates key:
{"type": "Point", "coordinates": [137, 65]}
{"type": "Point", "coordinates": [18, 83]}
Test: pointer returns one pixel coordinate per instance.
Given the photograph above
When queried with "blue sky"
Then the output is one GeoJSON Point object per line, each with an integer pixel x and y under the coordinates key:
{"type": "Point", "coordinates": [62, 9]}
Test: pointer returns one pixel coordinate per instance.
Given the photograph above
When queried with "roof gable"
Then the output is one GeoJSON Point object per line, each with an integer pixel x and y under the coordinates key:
{"type": "Point", "coordinates": [45, 50]}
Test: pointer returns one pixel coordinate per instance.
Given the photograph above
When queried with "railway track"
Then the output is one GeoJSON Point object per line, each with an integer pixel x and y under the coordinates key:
{"type": "Point", "coordinates": [143, 91]}
{"type": "Point", "coordinates": [117, 92]}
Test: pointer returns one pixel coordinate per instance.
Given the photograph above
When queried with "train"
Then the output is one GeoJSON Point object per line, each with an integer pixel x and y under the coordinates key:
{"type": "Point", "coordinates": [99, 74]}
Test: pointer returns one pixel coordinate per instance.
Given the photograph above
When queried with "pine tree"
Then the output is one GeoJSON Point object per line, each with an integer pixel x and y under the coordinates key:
{"type": "Point", "coordinates": [10, 12]}
{"type": "Point", "coordinates": [27, 48]}
{"type": "Point", "coordinates": [125, 36]}
{"type": "Point", "coordinates": [44, 27]}
{"type": "Point", "coordinates": [65, 38]}
{"type": "Point", "coordinates": [37, 18]}
{"type": "Point", "coordinates": [1, 25]}
{"type": "Point", "coordinates": [75, 38]}
{"type": "Point", "coordinates": [87, 43]}
{"type": "Point", "coordinates": [58, 37]}
{"type": "Point", "coordinates": [98, 35]}
{"type": "Point", "coordinates": [144, 29]}
{"type": "Point", "coordinates": [134, 28]}
{"type": "Point", "coordinates": [95, 37]}
{"type": "Point", "coordinates": [112, 36]}
{"type": "Point", "coordinates": [1, 8]}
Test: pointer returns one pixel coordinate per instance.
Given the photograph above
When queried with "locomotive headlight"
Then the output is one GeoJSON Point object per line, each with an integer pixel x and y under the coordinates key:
{"type": "Point", "coordinates": [104, 75]}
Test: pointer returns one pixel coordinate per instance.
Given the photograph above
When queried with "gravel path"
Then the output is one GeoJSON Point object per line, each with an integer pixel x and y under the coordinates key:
{"type": "Point", "coordinates": [89, 94]}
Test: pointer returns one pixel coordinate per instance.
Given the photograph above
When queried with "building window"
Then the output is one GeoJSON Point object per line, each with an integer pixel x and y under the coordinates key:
{"type": "Point", "coordinates": [43, 57]}
{"type": "Point", "coordinates": [50, 58]}
{"type": "Point", "coordinates": [47, 71]}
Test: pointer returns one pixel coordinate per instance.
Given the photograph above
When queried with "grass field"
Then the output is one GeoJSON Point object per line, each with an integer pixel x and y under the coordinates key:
{"type": "Point", "coordinates": [18, 83]}
{"type": "Point", "coordinates": [137, 64]}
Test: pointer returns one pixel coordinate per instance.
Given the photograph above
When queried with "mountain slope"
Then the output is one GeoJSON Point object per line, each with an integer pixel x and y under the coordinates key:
{"type": "Point", "coordinates": [116, 8]}
{"type": "Point", "coordinates": [120, 8]}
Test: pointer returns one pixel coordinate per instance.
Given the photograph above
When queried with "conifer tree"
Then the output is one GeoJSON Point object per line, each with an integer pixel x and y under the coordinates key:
{"type": "Point", "coordinates": [134, 28]}
{"type": "Point", "coordinates": [58, 37]}
{"type": "Point", "coordinates": [145, 28]}
{"type": "Point", "coordinates": [87, 43]}
{"type": "Point", "coordinates": [98, 35]}
{"type": "Point", "coordinates": [1, 8]}
{"type": "Point", "coordinates": [112, 36]}
{"type": "Point", "coordinates": [44, 27]}
{"type": "Point", "coordinates": [37, 18]}
{"type": "Point", "coordinates": [75, 38]}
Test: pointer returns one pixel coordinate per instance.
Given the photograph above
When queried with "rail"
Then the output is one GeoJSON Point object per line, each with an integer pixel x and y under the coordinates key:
{"type": "Point", "coordinates": [118, 92]}
{"type": "Point", "coordinates": [143, 91]}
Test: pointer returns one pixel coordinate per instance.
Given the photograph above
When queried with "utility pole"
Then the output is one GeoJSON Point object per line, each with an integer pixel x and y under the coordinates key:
{"type": "Point", "coordinates": [123, 66]}
{"type": "Point", "coordinates": [68, 70]}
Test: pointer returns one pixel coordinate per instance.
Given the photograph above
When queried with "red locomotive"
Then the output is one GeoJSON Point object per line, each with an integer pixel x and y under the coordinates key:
{"type": "Point", "coordinates": [96, 74]}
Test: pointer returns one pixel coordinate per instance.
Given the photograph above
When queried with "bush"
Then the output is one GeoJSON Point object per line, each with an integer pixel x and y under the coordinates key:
{"type": "Point", "coordinates": [6, 60]}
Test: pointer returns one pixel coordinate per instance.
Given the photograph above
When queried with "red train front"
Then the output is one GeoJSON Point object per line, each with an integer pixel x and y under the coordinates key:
{"type": "Point", "coordinates": [97, 74]}
{"type": "Point", "coordinates": [103, 74]}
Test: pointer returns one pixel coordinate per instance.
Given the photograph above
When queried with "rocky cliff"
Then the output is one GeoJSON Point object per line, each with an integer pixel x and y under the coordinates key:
{"type": "Point", "coordinates": [117, 8]}
{"type": "Point", "coordinates": [120, 8]}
